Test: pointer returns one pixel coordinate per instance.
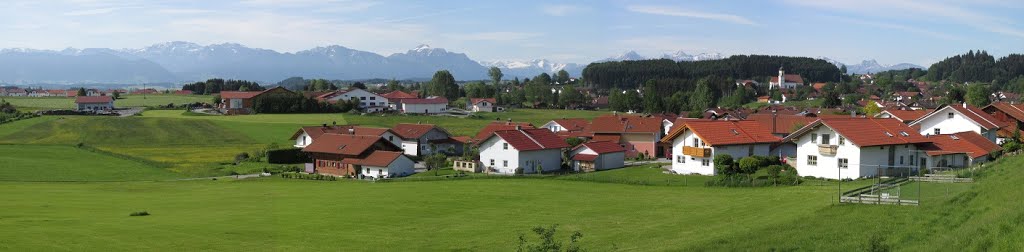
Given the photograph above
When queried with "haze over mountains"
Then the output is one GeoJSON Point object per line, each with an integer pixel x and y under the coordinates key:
{"type": "Point", "coordinates": [176, 62]}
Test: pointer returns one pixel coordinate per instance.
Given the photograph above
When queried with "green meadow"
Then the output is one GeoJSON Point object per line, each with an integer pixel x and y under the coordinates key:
{"type": "Point", "coordinates": [125, 101]}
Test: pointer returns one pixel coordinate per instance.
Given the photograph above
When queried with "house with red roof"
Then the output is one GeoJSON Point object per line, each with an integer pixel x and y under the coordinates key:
{"type": "Point", "coordinates": [94, 103]}
{"type": "Point", "coordinates": [638, 134]}
{"type": "Point", "coordinates": [597, 156]}
{"type": "Point", "coordinates": [483, 105]}
{"type": "Point", "coordinates": [395, 97]}
{"type": "Point", "coordinates": [384, 164]}
{"type": "Point", "coordinates": [17, 92]}
{"type": "Point", "coordinates": [305, 136]}
{"type": "Point", "coordinates": [857, 147]}
{"type": "Point", "coordinates": [904, 115]}
{"type": "Point", "coordinates": [958, 150]}
{"type": "Point", "coordinates": [429, 105]}
{"type": "Point", "coordinates": [570, 128]}
{"type": "Point", "coordinates": [1012, 115]}
{"type": "Point", "coordinates": [520, 151]}
{"type": "Point", "coordinates": [240, 102]}
{"type": "Point", "coordinates": [959, 118]}
{"type": "Point", "coordinates": [346, 155]}
{"type": "Point", "coordinates": [417, 139]}
{"type": "Point", "coordinates": [695, 143]}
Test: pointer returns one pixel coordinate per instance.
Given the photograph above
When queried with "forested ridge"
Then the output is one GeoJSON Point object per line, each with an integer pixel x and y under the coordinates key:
{"type": "Point", "coordinates": [630, 74]}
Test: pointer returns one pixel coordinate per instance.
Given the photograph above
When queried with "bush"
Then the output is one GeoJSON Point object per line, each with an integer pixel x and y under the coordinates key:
{"type": "Point", "coordinates": [241, 157]}
{"type": "Point", "coordinates": [287, 156]}
{"type": "Point", "coordinates": [1011, 146]}
{"type": "Point", "coordinates": [142, 213]}
{"type": "Point", "coordinates": [749, 165]}
{"type": "Point", "coordinates": [789, 176]}
{"type": "Point", "coordinates": [723, 164]}
{"type": "Point", "coordinates": [774, 171]}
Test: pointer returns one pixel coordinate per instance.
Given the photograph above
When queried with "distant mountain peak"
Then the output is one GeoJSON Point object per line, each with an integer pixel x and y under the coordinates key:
{"type": "Point", "coordinates": [422, 47]}
{"type": "Point", "coordinates": [870, 66]}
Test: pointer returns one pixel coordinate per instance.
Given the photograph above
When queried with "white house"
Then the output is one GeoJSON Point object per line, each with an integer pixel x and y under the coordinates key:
{"type": "Point", "coordinates": [567, 125]}
{"type": "Point", "coordinates": [695, 143]}
{"type": "Point", "coordinates": [597, 156]}
{"type": "Point", "coordinates": [522, 150]}
{"type": "Point", "coordinates": [483, 105]}
{"type": "Point", "coordinates": [368, 101]}
{"type": "Point", "coordinates": [418, 138]}
{"type": "Point", "coordinates": [851, 148]}
{"type": "Point", "coordinates": [306, 135]}
{"type": "Point", "coordinates": [384, 164]}
{"type": "Point", "coordinates": [785, 81]}
{"type": "Point", "coordinates": [94, 103]}
{"type": "Point", "coordinates": [429, 105]}
{"type": "Point", "coordinates": [959, 118]}
{"type": "Point", "coordinates": [958, 150]}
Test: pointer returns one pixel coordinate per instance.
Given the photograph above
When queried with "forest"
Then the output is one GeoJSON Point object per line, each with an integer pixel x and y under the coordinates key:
{"type": "Point", "coordinates": [214, 86]}
{"type": "Point", "coordinates": [683, 75]}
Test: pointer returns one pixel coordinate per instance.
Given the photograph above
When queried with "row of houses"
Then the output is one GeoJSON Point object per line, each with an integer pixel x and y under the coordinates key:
{"type": "Point", "coordinates": [240, 102]}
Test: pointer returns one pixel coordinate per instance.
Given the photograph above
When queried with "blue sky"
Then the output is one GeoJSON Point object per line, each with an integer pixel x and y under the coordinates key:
{"type": "Point", "coordinates": [891, 31]}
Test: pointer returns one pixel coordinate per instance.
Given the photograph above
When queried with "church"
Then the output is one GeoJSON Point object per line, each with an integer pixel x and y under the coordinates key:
{"type": "Point", "coordinates": [785, 81]}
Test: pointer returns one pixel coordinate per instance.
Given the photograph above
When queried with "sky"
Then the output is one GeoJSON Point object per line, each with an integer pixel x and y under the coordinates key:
{"type": "Point", "coordinates": [890, 31]}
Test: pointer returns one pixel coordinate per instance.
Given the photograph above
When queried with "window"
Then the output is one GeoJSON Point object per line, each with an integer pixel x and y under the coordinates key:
{"type": "Point", "coordinates": [812, 160]}
{"type": "Point", "coordinates": [901, 160]}
{"type": "Point", "coordinates": [391, 138]}
{"type": "Point", "coordinates": [842, 141]}
{"type": "Point", "coordinates": [825, 139]}
{"type": "Point", "coordinates": [750, 150]}
{"type": "Point", "coordinates": [423, 147]}
{"type": "Point", "coordinates": [367, 170]}
{"type": "Point", "coordinates": [705, 162]}
{"type": "Point", "coordinates": [504, 146]}
{"type": "Point", "coordinates": [844, 163]}
{"type": "Point", "coordinates": [492, 162]}
{"type": "Point", "coordinates": [949, 115]}
{"type": "Point", "coordinates": [814, 138]}
{"type": "Point", "coordinates": [362, 98]}
{"type": "Point", "coordinates": [504, 163]}
{"type": "Point", "coordinates": [938, 131]}
{"type": "Point", "coordinates": [372, 98]}
{"type": "Point", "coordinates": [911, 160]}
{"type": "Point", "coordinates": [696, 142]}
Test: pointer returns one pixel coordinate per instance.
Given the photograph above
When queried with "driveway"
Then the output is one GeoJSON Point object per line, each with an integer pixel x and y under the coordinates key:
{"type": "Point", "coordinates": [129, 111]}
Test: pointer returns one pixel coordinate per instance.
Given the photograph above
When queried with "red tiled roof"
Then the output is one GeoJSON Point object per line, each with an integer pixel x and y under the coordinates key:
{"type": "Point", "coordinates": [794, 78]}
{"type": "Point", "coordinates": [907, 115]}
{"type": "Point", "coordinates": [866, 132]}
{"type": "Point", "coordinates": [1013, 110]}
{"type": "Point", "coordinates": [398, 94]}
{"type": "Point", "coordinates": [970, 143]}
{"type": "Point", "coordinates": [602, 147]}
{"type": "Point", "coordinates": [462, 139]}
{"type": "Point", "coordinates": [93, 99]}
{"type": "Point", "coordinates": [474, 101]}
{"type": "Point", "coordinates": [584, 157]}
{"type": "Point", "coordinates": [626, 124]}
{"type": "Point", "coordinates": [377, 158]}
{"type": "Point", "coordinates": [783, 123]}
{"type": "Point", "coordinates": [412, 131]}
{"type": "Point", "coordinates": [430, 100]}
{"type": "Point", "coordinates": [352, 145]}
{"type": "Point", "coordinates": [239, 94]}
{"type": "Point", "coordinates": [573, 124]}
{"type": "Point", "coordinates": [531, 139]}
{"type": "Point", "coordinates": [498, 126]}
{"type": "Point", "coordinates": [615, 138]}
{"type": "Point", "coordinates": [818, 85]}
{"type": "Point", "coordinates": [316, 131]}
{"type": "Point", "coordinates": [717, 133]}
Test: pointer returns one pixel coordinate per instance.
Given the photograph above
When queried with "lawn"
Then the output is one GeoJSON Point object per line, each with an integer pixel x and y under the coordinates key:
{"type": "Point", "coordinates": [66, 163]}
{"type": "Point", "coordinates": [125, 101]}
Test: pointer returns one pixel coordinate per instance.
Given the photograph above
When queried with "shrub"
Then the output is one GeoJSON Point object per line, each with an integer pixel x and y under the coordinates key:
{"type": "Point", "coordinates": [287, 156]}
{"type": "Point", "coordinates": [789, 176]}
{"type": "Point", "coordinates": [241, 157]}
{"type": "Point", "coordinates": [774, 171]}
{"type": "Point", "coordinates": [1011, 146]}
{"type": "Point", "coordinates": [142, 213]}
{"type": "Point", "coordinates": [749, 165]}
{"type": "Point", "coordinates": [723, 164]}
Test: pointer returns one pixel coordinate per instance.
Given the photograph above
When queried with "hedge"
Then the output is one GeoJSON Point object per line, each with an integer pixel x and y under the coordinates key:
{"type": "Point", "coordinates": [287, 156]}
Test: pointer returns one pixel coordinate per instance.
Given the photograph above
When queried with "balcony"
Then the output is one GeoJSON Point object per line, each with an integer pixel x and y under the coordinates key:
{"type": "Point", "coordinates": [696, 151]}
{"type": "Point", "coordinates": [828, 150]}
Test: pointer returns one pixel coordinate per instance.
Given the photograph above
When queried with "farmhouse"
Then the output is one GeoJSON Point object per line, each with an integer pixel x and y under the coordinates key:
{"type": "Point", "coordinates": [306, 135]}
{"type": "Point", "coordinates": [695, 143]}
{"type": "Point", "coordinates": [429, 105]}
{"type": "Point", "coordinates": [638, 134]}
{"type": "Point", "coordinates": [785, 81]}
{"type": "Point", "coordinates": [384, 164]}
{"type": "Point", "coordinates": [1011, 115]}
{"type": "Point", "coordinates": [395, 97]}
{"type": "Point", "coordinates": [417, 139]}
{"type": "Point", "coordinates": [851, 148]}
{"type": "Point", "coordinates": [368, 101]}
{"type": "Point", "coordinates": [240, 102]}
{"type": "Point", "coordinates": [522, 151]}
{"type": "Point", "coordinates": [959, 118]}
{"type": "Point", "coordinates": [596, 156]}
{"type": "Point", "coordinates": [17, 92]}
{"type": "Point", "coordinates": [94, 103]}
{"type": "Point", "coordinates": [958, 150]}
{"type": "Point", "coordinates": [483, 105]}
{"type": "Point", "coordinates": [343, 155]}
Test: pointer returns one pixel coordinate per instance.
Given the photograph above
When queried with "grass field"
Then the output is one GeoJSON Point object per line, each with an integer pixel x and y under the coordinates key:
{"type": "Point", "coordinates": [125, 101]}
{"type": "Point", "coordinates": [66, 163]}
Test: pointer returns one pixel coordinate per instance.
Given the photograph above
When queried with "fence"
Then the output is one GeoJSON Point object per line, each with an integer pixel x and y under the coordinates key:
{"type": "Point", "coordinates": [907, 185]}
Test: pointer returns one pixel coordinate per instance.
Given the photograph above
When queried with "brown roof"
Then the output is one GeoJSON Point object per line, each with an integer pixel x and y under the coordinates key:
{"type": "Point", "coordinates": [316, 131]}
{"type": "Point", "coordinates": [602, 147]}
{"type": "Point", "coordinates": [239, 94]}
{"type": "Point", "coordinates": [626, 124]}
{"type": "Point", "coordinates": [531, 139]}
{"type": "Point", "coordinates": [398, 94]}
{"type": "Point", "coordinates": [377, 158]}
{"type": "Point", "coordinates": [584, 157]}
{"type": "Point", "coordinates": [498, 126]}
{"type": "Point", "coordinates": [783, 123]}
{"type": "Point", "coordinates": [352, 145]}
{"type": "Point", "coordinates": [818, 85]}
{"type": "Point", "coordinates": [794, 78]}
{"type": "Point", "coordinates": [717, 133]}
{"type": "Point", "coordinates": [970, 143]}
{"type": "Point", "coordinates": [474, 101]}
{"type": "Point", "coordinates": [93, 99]}
{"type": "Point", "coordinates": [866, 132]}
{"type": "Point", "coordinates": [412, 131]}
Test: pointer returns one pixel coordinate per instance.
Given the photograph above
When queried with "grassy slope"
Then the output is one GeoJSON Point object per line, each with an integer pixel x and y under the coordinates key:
{"type": "Point", "coordinates": [16, 126]}
{"type": "Point", "coordinates": [444, 215]}
{"type": "Point", "coordinates": [125, 101]}
{"type": "Point", "coordinates": [66, 163]}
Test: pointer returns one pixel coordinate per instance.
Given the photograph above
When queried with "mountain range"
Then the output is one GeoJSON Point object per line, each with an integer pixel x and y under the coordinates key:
{"type": "Point", "coordinates": [177, 62]}
{"type": "Point", "coordinates": [871, 66]}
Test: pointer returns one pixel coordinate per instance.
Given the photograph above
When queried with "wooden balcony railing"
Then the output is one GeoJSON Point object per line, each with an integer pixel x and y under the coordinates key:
{"type": "Point", "coordinates": [696, 151]}
{"type": "Point", "coordinates": [829, 150]}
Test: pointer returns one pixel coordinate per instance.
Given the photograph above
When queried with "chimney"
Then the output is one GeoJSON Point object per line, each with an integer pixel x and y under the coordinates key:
{"type": "Point", "coordinates": [518, 127]}
{"type": "Point", "coordinates": [352, 130]}
{"type": "Point", "coordinates": [853, 113]}
{"type": "Point", "coordinates": [965, 104]}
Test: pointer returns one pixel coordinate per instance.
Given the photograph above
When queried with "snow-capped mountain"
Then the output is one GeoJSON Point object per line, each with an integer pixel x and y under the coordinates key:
{"type": "Point", "coordinates": [628, 55]}
{"type": "Point", "coordinates": [683, 56]}
{"type": "Point", "coordinates": [425, 60]}
{"type": "Point", "coordinates": [871, 66]}
{"type": "Point", "coordinates": [526, 69]}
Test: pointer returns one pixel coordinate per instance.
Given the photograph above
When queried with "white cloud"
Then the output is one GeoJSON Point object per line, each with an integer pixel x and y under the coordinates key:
{"type": "Point", "coordinates": [678, 12]}
{"type": "Point", "coordinates": [561, 9]}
